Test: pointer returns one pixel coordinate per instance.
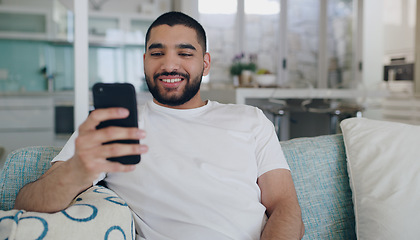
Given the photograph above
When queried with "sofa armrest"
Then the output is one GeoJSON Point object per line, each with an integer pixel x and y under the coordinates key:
{"type": "Point", "coordinates": [97, 213]}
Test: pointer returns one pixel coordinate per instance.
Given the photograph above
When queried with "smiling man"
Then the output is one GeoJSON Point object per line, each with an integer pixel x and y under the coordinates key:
{"type": "Point", "coordinates": [175, 62]}
{"type": "Point", "coordinates": [208, 170]}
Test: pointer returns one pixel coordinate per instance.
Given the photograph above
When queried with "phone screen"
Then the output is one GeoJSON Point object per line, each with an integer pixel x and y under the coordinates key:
{"type": "Point", "coordinates": [106, 95]}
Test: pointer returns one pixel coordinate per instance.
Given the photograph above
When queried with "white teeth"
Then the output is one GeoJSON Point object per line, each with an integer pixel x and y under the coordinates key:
{"type": "Point", "coordinates": [174, 80]}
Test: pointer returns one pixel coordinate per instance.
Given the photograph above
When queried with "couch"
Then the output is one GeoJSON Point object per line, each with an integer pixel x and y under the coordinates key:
{"type": "Point", "coordinates": [97, 213]}
{"type": "Point", "coordinates": [326, 190]}
{"type": "Point", "coordinates": [319, 172]}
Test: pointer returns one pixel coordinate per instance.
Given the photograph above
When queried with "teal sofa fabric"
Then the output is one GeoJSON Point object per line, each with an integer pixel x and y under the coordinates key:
{"type": "Point", "coordinates": [319, 172]}
{"type": "Point", "coordinates": [22, 167]}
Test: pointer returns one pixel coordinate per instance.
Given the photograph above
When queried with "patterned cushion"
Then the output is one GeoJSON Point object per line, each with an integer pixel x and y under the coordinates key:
{"type": "Point", "coordinates": [97, 213]}
{"type": "Point", "coordinates": [23, 166]}
{"type": "Point", "coordinates": [319, 171]}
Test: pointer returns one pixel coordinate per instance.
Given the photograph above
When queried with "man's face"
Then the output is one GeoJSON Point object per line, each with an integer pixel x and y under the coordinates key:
{"type": "Point", "coordinates": [174, 64]}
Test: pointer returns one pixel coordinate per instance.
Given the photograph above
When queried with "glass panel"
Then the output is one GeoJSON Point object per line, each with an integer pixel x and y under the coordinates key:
{"type": "Point", "coordinates": [134, 71]}
{"type": "Point", "coordinates": [23, 61]}
{"type": "Point", "coordinates": [340, 44]}
{"type": "Point", "coordinates": [262, 7]}
{"type": "Point", "coordinates": [63, 65]}
{"type": "Point", "coordinates": [302, 42]}
{"type": "Point", "coordinates": [105, 65]}
{"type": "Point", "coordinates": [99, 26]}
{"type": "Point", "coordinates": [19, 22]}
{"type": "Point", "coordinates": [33, 65]}
{"type": "Point", "coordinates": [116, 64]}
{"type": "Point", "coordinates": [219, 24]}
{"type": "Point", "coordinates": [138, 31]}
{"type": "Point", "coordinates": [262, 19]}
{"type": "Point", "coordinates": [213, 6]}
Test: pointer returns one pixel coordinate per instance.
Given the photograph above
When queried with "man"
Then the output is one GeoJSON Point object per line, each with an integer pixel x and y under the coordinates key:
{"type": "Point", "coordinates": [208, 170]}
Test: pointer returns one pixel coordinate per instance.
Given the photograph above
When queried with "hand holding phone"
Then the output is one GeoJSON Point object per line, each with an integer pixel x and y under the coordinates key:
{"type": "Point", "coordinates": [106, 95]}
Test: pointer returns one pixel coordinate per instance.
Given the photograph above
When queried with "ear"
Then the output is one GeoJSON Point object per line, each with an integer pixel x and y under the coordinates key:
{"type": "Point", "coordinates": [207, 60]}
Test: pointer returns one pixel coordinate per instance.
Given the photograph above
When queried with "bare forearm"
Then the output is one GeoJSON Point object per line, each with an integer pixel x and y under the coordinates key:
{"type": "Point", "coordinates": [284, 223]}
{"type": "Point", "coordinates": [55, 190]}
{"type": "Point", "coordinates": [51, 193]}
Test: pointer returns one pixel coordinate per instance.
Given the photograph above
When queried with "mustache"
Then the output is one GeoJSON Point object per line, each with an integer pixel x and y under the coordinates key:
{"type": "Point", "coordinates": [174, 73]}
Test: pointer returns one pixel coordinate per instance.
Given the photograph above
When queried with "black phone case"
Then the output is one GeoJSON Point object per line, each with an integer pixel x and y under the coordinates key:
{"type": "Point", "coordinates": [106, 95]}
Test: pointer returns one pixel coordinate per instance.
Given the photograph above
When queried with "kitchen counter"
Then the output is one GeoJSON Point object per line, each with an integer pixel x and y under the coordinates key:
{"type": "Point", "coordinates": [19, 106]}
{"type": "Point", "coordinates": [36, 94]}
{"type": "Point", "coordinates": [241, 94]}
{"type": "Point", "coordinates": [234, 95]}
{"type": "Point", "coordinates": [65, 98]}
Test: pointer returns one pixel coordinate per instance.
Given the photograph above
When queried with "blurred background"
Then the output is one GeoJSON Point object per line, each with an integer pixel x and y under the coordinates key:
{"type": "Point", "coordinates": [307, 63]}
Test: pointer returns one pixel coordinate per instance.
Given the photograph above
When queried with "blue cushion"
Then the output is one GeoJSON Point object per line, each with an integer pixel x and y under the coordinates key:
{"type": "Point", "coordinates": [319, 171]}
{"type": "Point", "coordinates": [23, 166]}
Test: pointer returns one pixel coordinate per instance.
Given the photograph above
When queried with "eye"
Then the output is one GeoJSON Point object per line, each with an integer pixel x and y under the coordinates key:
{"type": "Point", "coordinates": [156, 54]}
{"type": "Point", "coordinates": [186, 54]}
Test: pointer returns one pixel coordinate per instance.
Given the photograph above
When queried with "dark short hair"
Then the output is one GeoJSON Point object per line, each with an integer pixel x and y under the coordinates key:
{"type": "Point", "coordinates": [179, 18]}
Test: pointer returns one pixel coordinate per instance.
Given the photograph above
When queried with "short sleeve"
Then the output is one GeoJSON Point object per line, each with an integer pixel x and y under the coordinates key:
{"type": "Point", "coordinates": [269, 153]}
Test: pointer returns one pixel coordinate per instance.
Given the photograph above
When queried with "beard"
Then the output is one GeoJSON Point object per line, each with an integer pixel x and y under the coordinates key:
{"type": "Point", "coordinates": [161, 95]}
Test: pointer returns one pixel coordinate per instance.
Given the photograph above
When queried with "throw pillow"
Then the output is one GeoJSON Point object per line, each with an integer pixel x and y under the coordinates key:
{"type": "Point", "coordinates": [319, 172]}
{"type": "Point", "coordinates": [383, 161]}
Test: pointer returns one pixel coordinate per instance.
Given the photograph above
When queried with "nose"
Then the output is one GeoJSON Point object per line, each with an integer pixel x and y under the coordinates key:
{"type": "Point", "coordinates": [170, 62]}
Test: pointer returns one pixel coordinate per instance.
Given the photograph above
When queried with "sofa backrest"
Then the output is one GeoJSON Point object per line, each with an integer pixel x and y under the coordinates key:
{"type": "Point", "coordinates": [23, 166]}
{"type": "Point", "coordinates": [318, 166]}
{"type": "Point", "coordinates": [319, 170]}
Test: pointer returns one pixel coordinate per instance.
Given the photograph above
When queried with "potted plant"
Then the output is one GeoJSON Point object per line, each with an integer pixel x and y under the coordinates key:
{"type": "Point", "coordinates": [242, 71]}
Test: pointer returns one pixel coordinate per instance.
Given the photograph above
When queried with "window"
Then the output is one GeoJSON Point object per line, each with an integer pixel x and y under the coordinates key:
{"type": "Point", "coordinates": [307, 43]}
{"type": "Point", "coordinates": [262, 7]}
{"type": "Point", "coordinates": [213, 6]}
{"type": "Point", "coordinates": [262, 23]}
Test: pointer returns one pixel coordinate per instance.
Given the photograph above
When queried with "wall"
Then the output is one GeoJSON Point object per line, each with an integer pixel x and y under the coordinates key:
{"type": "Point", "coordinates": [417, 40]}
{"type": "Point", "coordinates": [399, 19]}
{"type": "Point", "coordinates": [389, 30]}
{"type": "Point", "coordinates": [373, 43]}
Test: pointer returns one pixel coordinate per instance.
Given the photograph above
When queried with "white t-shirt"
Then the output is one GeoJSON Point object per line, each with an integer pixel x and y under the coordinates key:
{"type": "Point", "coordinates": [199, 178]}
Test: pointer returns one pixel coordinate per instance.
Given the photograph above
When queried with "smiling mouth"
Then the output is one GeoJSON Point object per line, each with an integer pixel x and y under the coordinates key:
{"type": "Point", "coordinates": [171, 80]}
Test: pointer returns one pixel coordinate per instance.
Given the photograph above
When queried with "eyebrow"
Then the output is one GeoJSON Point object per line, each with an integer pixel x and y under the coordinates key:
{"type": "Point", "coordinates": [155, 45]}
{"type": "Point", "coordinates": [180, 46]}
{"type": "Point", "coordinates": [186, 46]}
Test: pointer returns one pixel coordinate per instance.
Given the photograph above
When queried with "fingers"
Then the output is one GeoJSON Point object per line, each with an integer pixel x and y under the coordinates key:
{"type": "Point", "coordinates": [93, 160]}
{"type": "Point", "coordinates": [99, 115]}
{"type": "Point", "coordinates": [98, 137]}
{"type": "Point", "coordinates": [89, 136]}
{"type": "Point", "coordinates": [91, 153]}
{"type": "Point", "coordinates": [119, 150]}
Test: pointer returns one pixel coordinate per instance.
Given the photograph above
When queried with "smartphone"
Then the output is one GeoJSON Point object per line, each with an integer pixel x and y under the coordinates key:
{"type": "Point", "coordinates": [106, 95]}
